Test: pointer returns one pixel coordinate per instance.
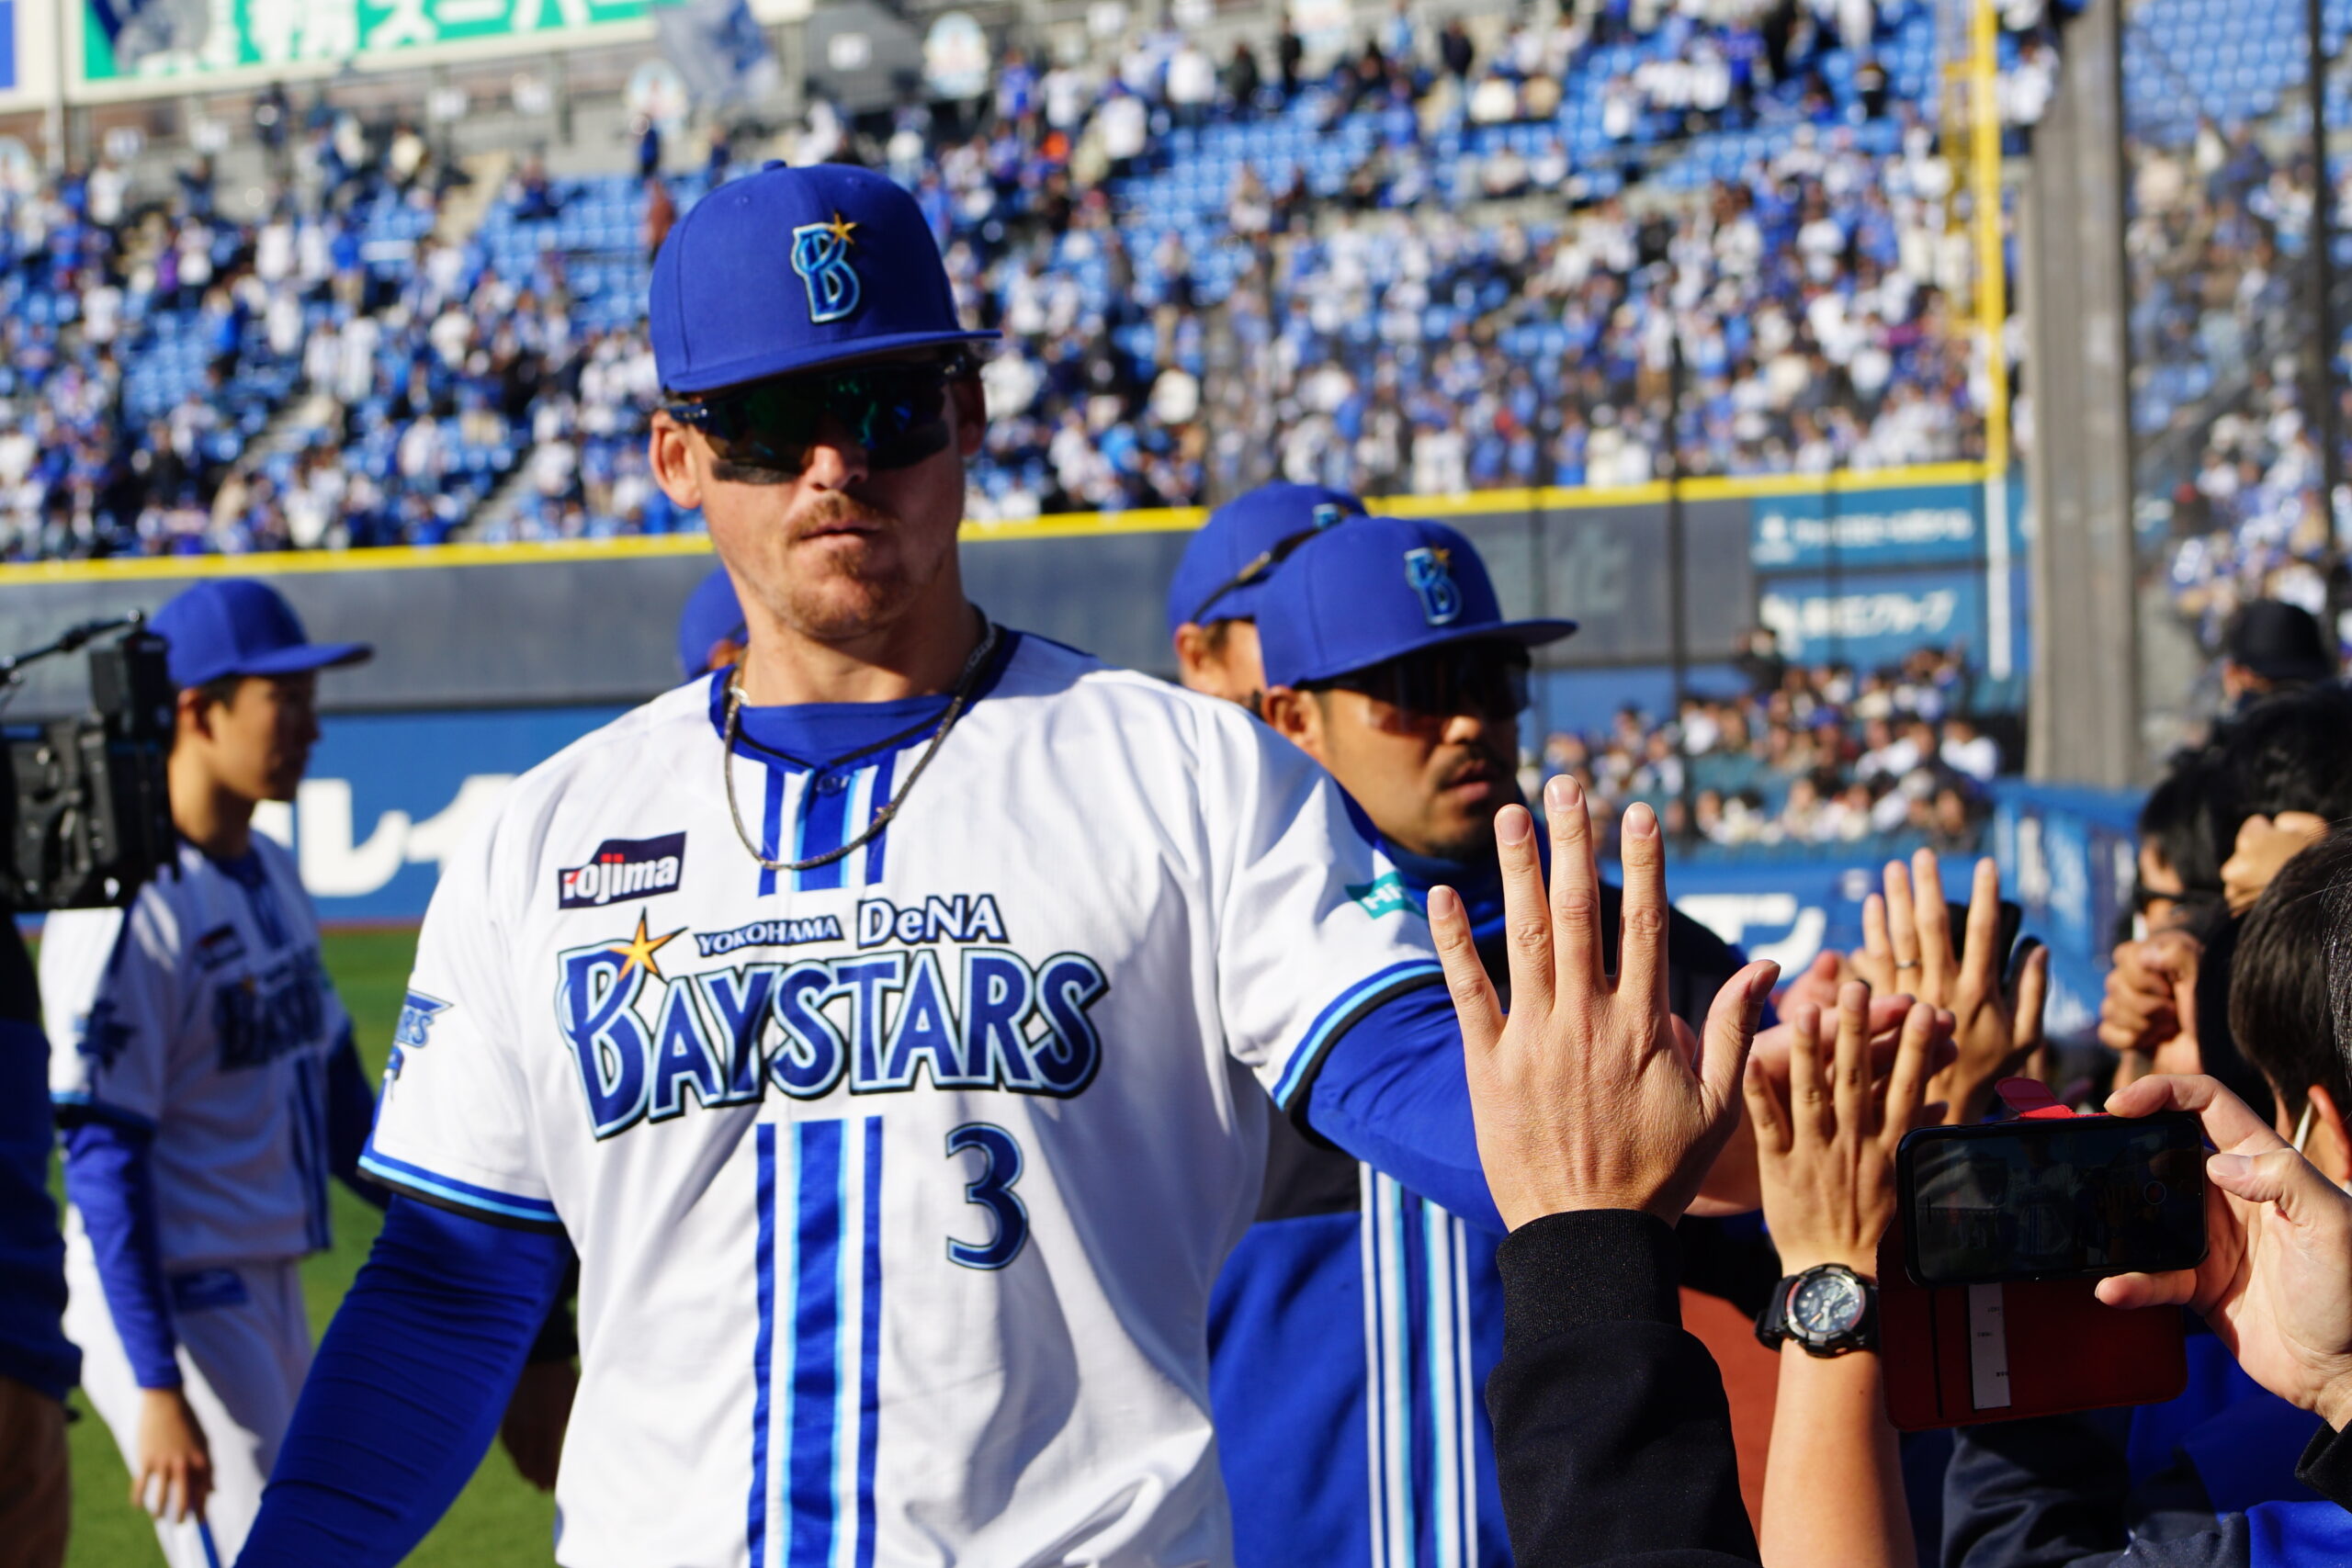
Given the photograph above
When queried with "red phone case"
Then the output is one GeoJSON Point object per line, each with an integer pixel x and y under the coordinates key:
{"type": "Point", "coordinates": [1955, 1355]}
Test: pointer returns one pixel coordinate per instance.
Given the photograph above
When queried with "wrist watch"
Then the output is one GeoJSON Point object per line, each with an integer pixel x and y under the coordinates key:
{"type": "Point", "coordinates": [1828, 1310]}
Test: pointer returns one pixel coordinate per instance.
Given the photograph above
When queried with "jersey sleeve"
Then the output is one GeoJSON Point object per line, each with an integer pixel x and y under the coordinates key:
{"type": "Point", "coordinates": [1314, 928]}
{"type": "Point", "coordinates": [453, 1126]}
{"type": "Point", "coordinates": [111, 990]}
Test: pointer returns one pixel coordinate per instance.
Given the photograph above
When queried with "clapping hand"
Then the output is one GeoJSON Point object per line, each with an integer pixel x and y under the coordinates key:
{"type": "Point", "coordinates": [2276, 1285]}
{"type": "Point", "coordinates": [1592, 1094]}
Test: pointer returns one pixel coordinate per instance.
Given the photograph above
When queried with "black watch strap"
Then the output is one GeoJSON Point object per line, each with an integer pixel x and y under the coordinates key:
{"type": "Point", "coordinates": [1772, 1322]}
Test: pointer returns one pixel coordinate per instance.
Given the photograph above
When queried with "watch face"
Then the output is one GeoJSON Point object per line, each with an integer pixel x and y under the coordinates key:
{"type": "Point", "coordinates": [1826, 1305]}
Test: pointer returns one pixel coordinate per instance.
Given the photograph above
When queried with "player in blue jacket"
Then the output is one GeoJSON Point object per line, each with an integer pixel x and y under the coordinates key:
{"type": "Point", "coordinates": [1353, 1329]}
{"type": "Point", "coordinates": [208, 1086]}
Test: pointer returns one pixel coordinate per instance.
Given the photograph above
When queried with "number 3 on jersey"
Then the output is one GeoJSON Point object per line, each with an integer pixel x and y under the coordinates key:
{"type": "Point", "coordinates": [992, 1190]}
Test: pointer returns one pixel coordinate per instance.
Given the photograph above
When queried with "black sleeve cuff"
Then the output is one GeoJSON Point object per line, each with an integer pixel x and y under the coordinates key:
{"type": "Point", "coordinates": [2326, 1465]}
{"type": "Point", "coordinates": [1593, 1266]}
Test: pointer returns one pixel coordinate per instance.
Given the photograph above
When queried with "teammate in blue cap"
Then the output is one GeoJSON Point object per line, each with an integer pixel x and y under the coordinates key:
{"type": "Point", "coordinates": [208, 1086]}
{"type": "Point", "coordinates": [1353, 1328]}
{"type": "Point", "coordinates": [710, 628]}
{"type": "Point", "coordinates": [891, 1017]}
{"type": "Point", "coordinates": [1212, 601]}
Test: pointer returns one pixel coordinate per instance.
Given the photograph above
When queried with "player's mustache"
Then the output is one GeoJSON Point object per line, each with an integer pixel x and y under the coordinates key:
{"type": "Point", "coordinates": [834, 509]}
{"type": "Point", "coordinates": [1476, 764]}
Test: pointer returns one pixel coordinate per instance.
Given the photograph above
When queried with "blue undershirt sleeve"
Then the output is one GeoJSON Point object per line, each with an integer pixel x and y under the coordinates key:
{"type": "Point", "coordinates": [408, 1388]}
{"type": "Point", "coordinates": [110, 1178]}
{"type": "Point", "coordinates": [1391, 1092]}
{"type": "Point", "coordinates": [351, 1116]}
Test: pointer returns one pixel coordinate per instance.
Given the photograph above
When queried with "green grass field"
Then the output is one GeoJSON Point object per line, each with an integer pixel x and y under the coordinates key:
{"type": "Point", "coordinates": [499, 1520]}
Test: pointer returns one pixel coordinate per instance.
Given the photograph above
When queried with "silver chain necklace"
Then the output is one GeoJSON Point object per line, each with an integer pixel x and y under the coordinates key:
{"type": "Point", "coordinates": [963, 697]}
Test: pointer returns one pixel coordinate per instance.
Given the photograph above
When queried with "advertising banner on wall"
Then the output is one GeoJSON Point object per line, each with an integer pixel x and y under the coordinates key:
{"type": "Point", "coordinates": [7, 46]}
{"type": "Point", "coordinates": [1915, 526]}
{"type": "Point", "coordinates": [1873, 620]}
{"type": "Point", "coordinates": [130, 40]}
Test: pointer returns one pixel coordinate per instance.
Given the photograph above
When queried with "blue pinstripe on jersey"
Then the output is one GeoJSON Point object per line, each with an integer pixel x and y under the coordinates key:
{"type": "Point", "coordinates": [816, 1354]}
{"type": "Point", "coordinates": [827, 809]}
{"type": "Point", "coordinates": [878, 795]}
{"type": "Point", "coordinates": [1420, 1424]}
{"type": "Point", "coordinates": [824, 802]}
{"type": "Point", "coordinates": [816, 1345]}
{"type": "Point", "coordinates": [869, 1376]}
{"type": "Point", "coordinates": [755, 1517]}
{"type": "Point", "coordinates": [771, 827]}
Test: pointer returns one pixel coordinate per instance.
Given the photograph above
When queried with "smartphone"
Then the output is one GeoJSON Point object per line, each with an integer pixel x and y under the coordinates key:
{"type": "Point", "coordinates": [2070, 1198]}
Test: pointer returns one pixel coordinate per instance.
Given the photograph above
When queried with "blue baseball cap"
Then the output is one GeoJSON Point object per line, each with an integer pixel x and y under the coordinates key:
{"type": "Point", "coordinates": [712, 616]}
{"type": "Point", "coordinates": [234, 626]}
{"type": "Point", "coordinates": [1378, 589]}
{"type": "Point", "coordinates": [791, 268]}
{"type": "Point", "coordinates": [1236, 535]}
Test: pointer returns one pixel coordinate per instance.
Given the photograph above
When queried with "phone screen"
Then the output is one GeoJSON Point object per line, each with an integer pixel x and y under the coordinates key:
{"type": "Point", "coordinates": [2061, 1199]}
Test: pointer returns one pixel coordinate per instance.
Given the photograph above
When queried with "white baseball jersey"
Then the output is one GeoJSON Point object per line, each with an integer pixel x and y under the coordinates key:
{"type": "Point", "coordinates": [898, 1184]}
{"type": "Point", "coordinates": [203, 1012]}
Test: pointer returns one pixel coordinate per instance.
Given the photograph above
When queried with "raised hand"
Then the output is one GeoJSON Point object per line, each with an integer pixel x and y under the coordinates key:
{"type": "Point", "coordinates": [1826, 1138]}
{"type": "Point", "coordinates": [1909, 937]}
{"type": "Point", "coordinates": [2276, 1285]}
{"type": "Point", "coordinates": [1592, 1094]}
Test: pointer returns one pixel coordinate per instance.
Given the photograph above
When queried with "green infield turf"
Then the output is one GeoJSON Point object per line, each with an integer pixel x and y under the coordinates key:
{"type": "Point", "coordinates": [499, 1520]}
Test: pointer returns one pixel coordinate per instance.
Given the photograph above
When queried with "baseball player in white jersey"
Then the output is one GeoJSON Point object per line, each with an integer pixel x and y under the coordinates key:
{"type": "Point", "coordinates": [204, 1074]}
{"type": "Point", "coordinates": [879, 1018]}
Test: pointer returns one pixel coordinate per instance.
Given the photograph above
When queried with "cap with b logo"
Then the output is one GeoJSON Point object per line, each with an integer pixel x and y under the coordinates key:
{"type": "Point", "coordinates": [1376, 590]}
{"type": "Point", "coordinates": [234, 626]}
{"type": "Point", "coordinates": [788, 269]}
{"type": "Point", "coordinates": [1250, 531]}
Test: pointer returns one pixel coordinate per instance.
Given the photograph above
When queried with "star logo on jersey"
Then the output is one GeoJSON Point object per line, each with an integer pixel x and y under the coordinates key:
{"type": "Point", "coordinates": [638, 951]}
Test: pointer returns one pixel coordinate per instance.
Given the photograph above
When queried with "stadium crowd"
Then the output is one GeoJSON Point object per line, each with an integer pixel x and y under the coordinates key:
{"type": "Point", "coordinates": [2218, 234]}
{"type": "Point", "coordinates": [1869, 765]}
{"type": "Point", "coordinates": [1420, 273]}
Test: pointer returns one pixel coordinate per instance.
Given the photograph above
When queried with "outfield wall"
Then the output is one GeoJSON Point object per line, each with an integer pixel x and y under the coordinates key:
{"type": "Point", "coordinates": [1862, 568]}
{"type": "Point", "coordinates": [491, 658]}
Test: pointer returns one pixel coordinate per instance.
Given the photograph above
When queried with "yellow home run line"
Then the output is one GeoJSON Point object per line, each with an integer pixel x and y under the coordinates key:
{"type": "Point", "coordinates": [1061, 525]}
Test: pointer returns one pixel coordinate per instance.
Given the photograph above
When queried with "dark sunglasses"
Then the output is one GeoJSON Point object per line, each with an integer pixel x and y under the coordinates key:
{"type": "Point", "coordinates": [1488, 679]}
{"type": "Point", "coordinates": [1262, 565]}
{"type": "Point", "coordinates": [897, 413]}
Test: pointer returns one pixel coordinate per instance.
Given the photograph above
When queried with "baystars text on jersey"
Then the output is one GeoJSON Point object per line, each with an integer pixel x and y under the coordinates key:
{"type": "Point", "coordinates": [952, 1001]}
